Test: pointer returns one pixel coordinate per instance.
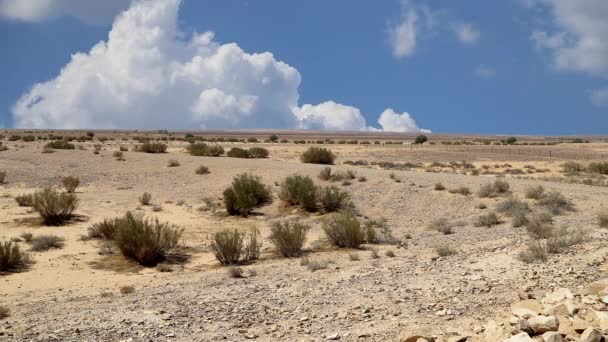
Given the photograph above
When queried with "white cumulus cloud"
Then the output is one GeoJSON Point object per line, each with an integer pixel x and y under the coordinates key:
{"type": "Point", "coordinates": [96, 11]}
{"type": "Point", "coordinates": [466, 33]}
{"type": "Point", "coordinates": [402, 35]}
{"type": "Point", "coordinates": [391, 121]}
{"type": "Point", "coordinates": [146, 75]}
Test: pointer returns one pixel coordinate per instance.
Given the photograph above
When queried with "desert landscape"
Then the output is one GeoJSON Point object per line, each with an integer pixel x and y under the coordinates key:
{"type": "Point", "coordinates": [301, 236]}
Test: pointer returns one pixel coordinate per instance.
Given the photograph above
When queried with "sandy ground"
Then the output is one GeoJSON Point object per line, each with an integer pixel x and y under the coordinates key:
{"type": "Point", "coordinates": [73, 293]}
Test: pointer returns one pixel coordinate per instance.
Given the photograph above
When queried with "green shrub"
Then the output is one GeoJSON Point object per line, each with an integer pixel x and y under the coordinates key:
{"type": "Point", "coordinates": [487, 220]}
{"type": "Point", "coordinates": [598, 167]}
{"type": "Point", "coordinates": [45, 242]}
{"type": "Point", "coordinates": [25, 200]}
{"type": "Point", "coordinates": [245, 193]}
{"type": "Point", "coordinates": [229, 248]}
{"type": "Point", "coordinates": [152, 147]}
{"type": "Point", "coordinates": [555, 202]}
{"type": "Point", "coordinates": [299, 190]}
{"type": "Point", "coordinates": [237, 152]}
{"type": "Point", "coordinates": [421, 139]}
{"type": "Point", "coordinates": [325, 173]}
{"type": "Point", "coordinates": [70, 183]}
{"type": "Point", "coordinates": [344, 230]}
{"type": "Point", "coordinates": [143, 240]}
{"type": "Point", "coordinates": [273, 138]}
{"type": "Point", "coordinates": [317, 155]}
{"type": "Point", "coordinates": [288, 237]}
{"type": "Point", "coordinates": [60, 145]}
{"type": "Point", "coordinates": [198, 149]}
{"type": "Point", "coordinates": [215, 151]}
{"type": "Point", "coordinates": [103, 230]}
{"type": "Point", "coordinates": [12, 258]}
{"type": "Point", "coordinates": [54, 207]}
{"type": "Point", "coordinates": [258, 152]}
{"type": "Point", "coordinates": [333, 199]}
{"type": "Point", "coordinates": [535, 192]}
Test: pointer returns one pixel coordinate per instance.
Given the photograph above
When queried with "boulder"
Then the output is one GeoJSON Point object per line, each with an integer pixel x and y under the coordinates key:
{"type": "Point", "coordinates": [558, 296]}
{"type": "Point", "coordinates": [542, 324]}
{"type": "Point", "coordinates": [591, 335]}
{"type": "Point", "coordinates": [601, 321]}
{"type": "Point", "coordinates": [495, 333]}
{"type": "Point", "coordinates": [526, 308]}
{"type": "Point", "coordinates": [552, 336]}
{"type": "Point", "coordinates": [596, 287]}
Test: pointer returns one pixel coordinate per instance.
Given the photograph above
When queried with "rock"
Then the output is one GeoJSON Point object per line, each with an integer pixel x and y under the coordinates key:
{"type": "Point", "coordinates": [332, 337]}
{"type": "Point", "coordinates": [601, 320]}
{"type": "Point", "coordinates": [558, 309]}
{"type": "Point", "coordinates": [494, 332]}
{"type": "Point", "coordinates": [523, 325]}
{"type": "Point", "coordinates": [457, 339]}
{"type": "Point", "coordinates": [579, 324]}
{"type": "Point", "coordinates": [591, 335]}
{"type": "Point", "coordinates": [542, 324]}
{"type": "Point", "coordinates": [596, 287]}
{"type": "Point", "coordinates": [521, 337]}
{"type": "Point", "coordinates": [552, 336]}
{"type": "Point", "coordinates": [558, 296]}
{"type": "Point", "coordinates": [526, 308]}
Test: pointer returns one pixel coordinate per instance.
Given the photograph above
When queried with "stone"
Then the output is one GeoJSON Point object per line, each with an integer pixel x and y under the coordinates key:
{"type": "Point", "coordinates": [457, 339]}
{"type": "Point", "coordinates": [591, 335]}
{"type": "Point", "coordinates": [579, 324]}
{"type": "Point", "coordinates": [495, 332]}
{"type": "Point", "coordinates": [526, 308]}
{"type": "Point", "coordinates": [542, 324]}
{"type": "Point", "coordinates": [552, 336]}
{"type": "Point", "coordinates": [558, 296]}
{"type": "Point", "coordinates": [521, 337]}
{"type": "Point", "coordinates": [601, 320]}
{"type": "Point", "coordinates": [332, 337]}
{"type": "Point", "coordinates": [596, 287]}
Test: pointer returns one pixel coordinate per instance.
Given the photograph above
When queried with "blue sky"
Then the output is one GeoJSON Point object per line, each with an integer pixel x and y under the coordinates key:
{"type": "Point", "coordinates": [513, 72]}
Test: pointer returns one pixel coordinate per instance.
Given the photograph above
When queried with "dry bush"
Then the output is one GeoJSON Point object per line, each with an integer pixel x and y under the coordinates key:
{"type": "Point", "coordinates": [173, 163]}
{"type": "Point", "coordinates": [117, 154]}
{"type": "Point", "coordinates": [123, 149]}
{"type": "Point", "coordinates": [229, 249]}
{"type": "Point", "coordinates": [333, 199]}
{"type": "Point", "coordinates": [145, 198]}
{"type": "Point", "coordinates": [325, 173]}
{"type": "Point", "coordinates": [235, 272]}
{"type": "Point", "coordinates": [127, 289]}
{"type": "Point", "coordinates": [253, 247]}
{"type": "Point", "coordinates": [45, 242]}
{"type": "Point", "coordinates": [201, 170]}
{"type": "Point", "coordinates": [493, 189]}
{"type": "Point", "coordinates": [598, 167]}
{"type": "Point", "coordinates": [300, 191]}
{"type": "Point", "coordinates": [572, 167]}
{"type": "Point", "coordinates": [146, 241]}
{"type": "Point", "coordinates": [316, 265]}
{"type": "Point", "coordinates": [562, 239]}
{"type": "Point", "coordinates": [54, 207]}
{"type": "Point", "coordinates": [47, 150]}
{"type": "Point", "coordinates": [152, 147]}
{"type": "Point", "coordinates": [245, 193]}
{"type": "Point", "coordinates": [463, 190]}
{"type": "Point", "coordinates": [361, 179]}
{"type": "Point", "coordinates": [354, 256]}
{"type": "Point", "coordinates": [344, 230]}
{"type": "Point", "coordinates": [519, 218]}
{"type": "Point", "coordinates": [12, 258]}
{"type": "Point", "coordinates": [487, 220]}
{"type": "Point", "coordinates": [350, 174]}
{"type": "Point", "coordinates": [374, 253]}
{"type": "Point", "coordinates": [539, 226]}
{"type": "Point", "coordinates": [439, 187]}
{"type": "Point", "coordinates": [288, 237]}
{"type": "Point", "coordinates": [512, 205]}
{"type": "Point", "coordinates": [603, 219]}
{"type": "Point", "coordinates": [60, 145]}
{"type": "Point", "coordinates": [258, 152]}
{"type": "Point", "coordinates": [237, 152]}
{"type": "Point", "coordinates": [555, 202]}
{"type": "Point", "coordinates": [390, 253]}
{"type": "Point", "coordinates": [442, 225]}
{"type": "Point", "coordinates": [378, 231]}
{"type": "Point", "coordinates": [103, 230]}
{"type": "Point", "coordinates": [535, 192]}
{"type": "Point", "coordinates": [444, 250]}
{"type": "Point", "coordinates": [4, 312]}
{"type": "Point", "coordinates": [27, 237]}
{"type": "Point", "coordinates": [70, 183]}
{"type": "Point", "coordinates": [25, 200]}
{"type": "Point", "coordinates": [535, 251]}
{"type": "Point", "coordinates": [317, 155]}
{"type": "Point", "coordinates": [2, 176]}
{"type": "Point", "coordinates": [215, 151]}
{"type": "Point", "coordinates": [198, 149]}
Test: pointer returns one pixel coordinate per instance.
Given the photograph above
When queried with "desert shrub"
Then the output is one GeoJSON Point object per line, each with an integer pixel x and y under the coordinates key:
{"type": "Point", "coordinates": [487, 220]}
{"type": "Point", "coordinates": [555, 202]}
{"type": "Point", "coordinates": [123, 149]}
{"type": "Point", "coordinates": [143, 240]}
{"type": "Point", "coordinates": [316, 265]}
{"type": "Point", "coordinates": [126, 289]}
{"type": "Point", "coordinates": [145, 198]}
{"type": "Point", "coordinates": [299, 190]}
{"type": "Point", "coordinates": [45, 242]}
{"type": "Point", "coordinates": [562, 239]}
{"type": "Point", "coordinates": [12, 258]}
{"type": "Point", "coordinates": [245, 193]}
{"type": "Point", "coordinates": [229, 248]}
{"type": "Point", "coordinates": [27, 237]}
{"type": "Point", "coordinates": [318, 155]}
{"type": "Point", "coordinates": [117, 154]}
{"type": "Point", "coordinates": [97, 147]}
{"type": "Point", "coordinates": [2, 176]}
{"type": "Point", "coordinates": [353, 256]}
{"type": "Point", "coordinates": [60, 145]}
{"type": "Point", "coordinates": [4, 312]}
{"type": "Point", "coordinates": [173, 163]}
{"type": "Point", "coordinates": [333, 199]}
{"type": "Point", "coordinates": [442, 225]}
{"type": "Point", "coordinates": [374, 253]}
{"type": "Point", "coordinates": [603, 219]}
{"type": "Point", "coordinates": [258, 152]}
{"type": "Point", "coordinates": [325, 173]}
{"type": "Point", "coordinates": [519, 218]}
{"type": "Point", "coordinates": [235, 272]}
{"type": "Point", "coordinates": [237, 152]}
{"type": "Point", "coordinates": [572, 167]}
{"type": "Point", "coordinates": [152, 147]}
{"type": "Point", "coordinates": [198, 149]}
{"type": "Point", "coordinates": [439, 187]}
{"type": "Point", "coordinates": [253, 246]}
{"type": "Point", "coordinates": [201, 170]}
{"type": "Point", "coordinates": [512, 205]}
{"type": "Point", "coordinates": [70, 183]}
{"type": "Point", "coordinates": [350, 174]}
{"type": "Point", "coordinates": [54, 207]}
{"type": "Point", "coordinates": [288, 237]}
{"type": "Point", "coordinates": [501, 186]}
{"type": "Point", "coordinates": [103, 230]}
{"type": "Point", "coordinates": [493, 189]}
{"type": "Point", "coordinates": [463, 190]}
{"type": "Point", "coordinates": [361, 179]}
{"type": "Point", "coordinates": [344, 230]}
{"type": "Point", "coordinates": [535, 192]}
{"type": "Point", "coordinates": [598, 167]}
{"type": "Point", "coordinates": [539, 226]}
{"type": "Point", "coordinates": [273, 138]}
{"type": "Point", "coordinates": [535, 251]}
{"type": "Point", "coordinates": [215, 151]}
{"type": "Point", "coordinates": [444, 250]}
{"type": "Point", "coordinates": [378, 231]}
{"type": "Point", "coordinates": [25, 200]}
{"type": "Point", "coordinates": [390, 253]}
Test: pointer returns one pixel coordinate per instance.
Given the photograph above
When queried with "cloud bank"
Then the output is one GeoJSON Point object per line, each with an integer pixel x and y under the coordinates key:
{"type": "Point", "coordinates": [146, 76]}
{"type": "Point", "coordinates": [95, 12]}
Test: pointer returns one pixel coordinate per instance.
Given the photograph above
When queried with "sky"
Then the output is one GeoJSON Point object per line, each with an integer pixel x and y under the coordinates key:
{"type": "Point", "coordinates": [467, 66]}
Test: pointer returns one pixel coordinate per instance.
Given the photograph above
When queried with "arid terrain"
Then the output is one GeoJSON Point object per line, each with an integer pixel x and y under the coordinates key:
{"type": "Point", "coordinates": [446, 273]}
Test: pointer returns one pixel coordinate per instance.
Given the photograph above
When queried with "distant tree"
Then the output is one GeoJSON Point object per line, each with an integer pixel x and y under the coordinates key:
{"type": "Point", "coordinates": [274, 138]}
{"type": "Point", "coordinates": [421, 139]}
{"type": "Point", "coordinates": [511, 140]}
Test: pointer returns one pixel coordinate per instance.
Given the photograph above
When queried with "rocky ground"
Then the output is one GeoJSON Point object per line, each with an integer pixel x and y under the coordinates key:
{"type": "Point", "coordinates": [73, 294]}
